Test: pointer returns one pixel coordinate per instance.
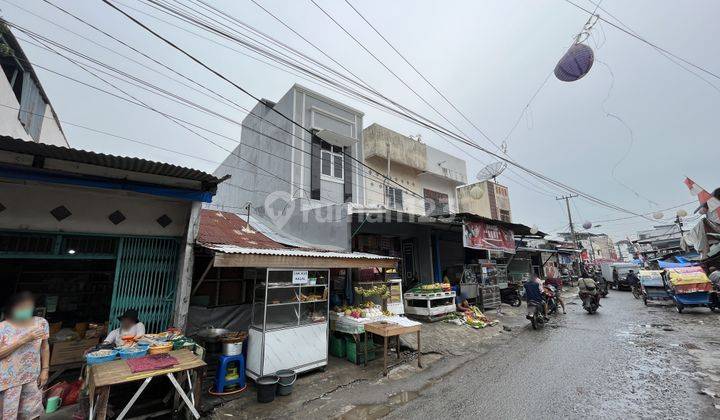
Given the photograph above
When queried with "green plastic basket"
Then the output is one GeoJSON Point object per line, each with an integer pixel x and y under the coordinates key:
{"type": "Point", "coordinates": [356, 351]}
{"type": "Point", "coordinates": [337, 346]}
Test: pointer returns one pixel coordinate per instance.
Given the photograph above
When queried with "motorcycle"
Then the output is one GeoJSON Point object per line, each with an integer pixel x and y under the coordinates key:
{"type": "Point", "coordinates": [636, 290]}
{"type": "Point", "coordinates": [551, 299]}
{"type": "Point", "coordinates": [591, 299]}
{"type": "Point", "coordinates": [537, 319]}
{"type": "Point", "coordinates": [511, 295]}
{"type": "Point", "coordinates": [602, 285]}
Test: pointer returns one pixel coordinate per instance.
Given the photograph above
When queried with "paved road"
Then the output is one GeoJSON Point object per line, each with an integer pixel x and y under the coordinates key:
{"type": "Point", "coordinates": [626, 361]}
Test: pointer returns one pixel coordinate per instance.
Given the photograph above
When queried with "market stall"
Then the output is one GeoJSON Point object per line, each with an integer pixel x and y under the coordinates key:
{"type": "Point", "coordinates": [177, 366]}
{"type": "Point", "coordinates": [289, 326]}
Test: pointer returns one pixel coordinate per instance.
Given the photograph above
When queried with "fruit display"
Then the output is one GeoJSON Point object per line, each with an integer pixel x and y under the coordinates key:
{"type": "Point", "coordinates": [378, 290]}
{"type": "Point", "coordinates": [366, 310]}
{"type": "Point", "coordinates": [432, 288]}
{"type": "Point", "coordinates": [477, 319]}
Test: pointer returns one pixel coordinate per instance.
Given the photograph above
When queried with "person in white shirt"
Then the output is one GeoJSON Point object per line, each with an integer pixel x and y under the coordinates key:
{"type": "Point", "coordinates": [130, 328]}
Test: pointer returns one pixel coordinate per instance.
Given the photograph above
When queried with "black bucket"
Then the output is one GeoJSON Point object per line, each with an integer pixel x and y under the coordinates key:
{"type": "Point", "coordinates": [286, 380]}
{"type": "Point", "coordinates": [266, 388]}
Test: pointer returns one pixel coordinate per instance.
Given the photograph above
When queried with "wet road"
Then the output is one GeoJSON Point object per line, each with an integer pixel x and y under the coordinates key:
{"type": "Point", "coordinates": [626, 361]}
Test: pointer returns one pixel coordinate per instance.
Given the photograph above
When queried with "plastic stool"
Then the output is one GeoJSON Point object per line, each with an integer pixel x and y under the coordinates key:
{"type": "Point", "coordinates": [222, 371]}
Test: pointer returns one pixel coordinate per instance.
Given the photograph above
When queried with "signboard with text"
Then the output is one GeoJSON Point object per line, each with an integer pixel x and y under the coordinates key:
{"type": "Point", "coordinates": [478, 235]}
{"type": "Point", "coordinates": [300, 277]}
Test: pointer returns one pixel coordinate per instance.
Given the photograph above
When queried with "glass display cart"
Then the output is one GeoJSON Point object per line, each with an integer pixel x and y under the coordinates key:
{"type": "Point", "coordinates": [289, 326]}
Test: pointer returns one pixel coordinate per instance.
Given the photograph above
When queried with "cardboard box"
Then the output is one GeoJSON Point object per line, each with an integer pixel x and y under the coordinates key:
{"type": "Point", "coordinates": [70, 351]}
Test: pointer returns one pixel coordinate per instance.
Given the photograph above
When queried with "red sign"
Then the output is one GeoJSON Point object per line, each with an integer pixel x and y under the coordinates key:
{"type": "Point", "coordinates": [479, 235]}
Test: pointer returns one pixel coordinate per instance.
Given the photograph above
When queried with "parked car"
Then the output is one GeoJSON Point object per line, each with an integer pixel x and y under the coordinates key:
{"type": "Point", "coordinates": [622, 271]}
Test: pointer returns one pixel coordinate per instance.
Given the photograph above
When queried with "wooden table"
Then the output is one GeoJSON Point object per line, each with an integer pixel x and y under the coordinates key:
{"type": "Point", "coordinates": [386, 330]}
{"type": "Point", "coordinates": [105, 375]}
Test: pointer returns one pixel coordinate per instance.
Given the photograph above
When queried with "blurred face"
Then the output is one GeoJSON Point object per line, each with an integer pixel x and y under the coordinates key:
{"type": "Point", "coordinates": [23, 311]}
{"type": "Point", "coordinates": [127, 323]}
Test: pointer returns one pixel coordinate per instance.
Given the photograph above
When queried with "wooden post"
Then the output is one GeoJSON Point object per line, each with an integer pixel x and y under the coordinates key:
{"type": "Point", "coordinates": [385, 340]}
{"type": "Point", "coordinates": [419, 351]}
{"type": "Point", "coordinates": [102, 403]}
{"type": "Point", "coordinates": [185, 265]}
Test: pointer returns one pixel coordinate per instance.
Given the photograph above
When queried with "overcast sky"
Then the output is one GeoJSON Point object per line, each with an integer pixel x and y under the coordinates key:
{"type": "Point", "coordinates": [488, 57]}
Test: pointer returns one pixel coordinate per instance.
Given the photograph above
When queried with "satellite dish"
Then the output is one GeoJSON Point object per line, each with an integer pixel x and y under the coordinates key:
{"type": "Point", "coordinates": [534, 229]}
{"type": "Point", "coordinates": [681, 213]}
{"type": "Point", "coordinates": [658, 215]}
{"type": "Point", "coordinates": [587, 225]}
{"type": "Point", "coordinates": [576, 63]}
{"type": "Point", "coordinates": [491, 171]}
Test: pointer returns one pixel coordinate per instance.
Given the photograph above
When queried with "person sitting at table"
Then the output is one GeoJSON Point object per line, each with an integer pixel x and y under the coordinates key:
{"type": "Point", "coordinates": [130, 327]}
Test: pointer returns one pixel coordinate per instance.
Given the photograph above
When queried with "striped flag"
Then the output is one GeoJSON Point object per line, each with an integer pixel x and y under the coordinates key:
{"type": "Point", "coordinates": [704, 197]}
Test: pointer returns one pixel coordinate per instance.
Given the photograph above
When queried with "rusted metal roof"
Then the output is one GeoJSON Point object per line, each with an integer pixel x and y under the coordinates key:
{"type": "Point", "coordinates": [221, 228]}
{"type": "Point", "coordinates": [228, 233]}
{"type": "Point", "coordinates": [125, 163]}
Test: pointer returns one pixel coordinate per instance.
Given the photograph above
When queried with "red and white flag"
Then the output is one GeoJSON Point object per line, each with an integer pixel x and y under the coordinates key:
{"type": "Point", "coordinates": [703, 196]}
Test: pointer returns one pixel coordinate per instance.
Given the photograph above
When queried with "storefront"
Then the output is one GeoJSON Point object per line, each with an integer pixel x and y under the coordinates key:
{"type": "Point", "coordinates": [277, 292]}
{"type": "Point", "coordinates": [468, 249]}
{"type": "Point", "coordinates": [92, 235]}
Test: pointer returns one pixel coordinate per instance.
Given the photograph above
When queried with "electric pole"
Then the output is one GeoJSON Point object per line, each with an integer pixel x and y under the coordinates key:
{"type": "Point", "coordinates": [570, 221]}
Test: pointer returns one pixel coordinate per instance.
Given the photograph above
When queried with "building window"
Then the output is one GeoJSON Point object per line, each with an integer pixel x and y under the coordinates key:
{"type": "Point", "coordinates": [12, 68]}
{"type": "Point", "coordinates": [394, 198]}
{"type": "Point", "coordinates": [436, 203]}
{"type": "Point", "coordinates": [333, 161]}
{"type": "Point", "coordinates": [505, 216]}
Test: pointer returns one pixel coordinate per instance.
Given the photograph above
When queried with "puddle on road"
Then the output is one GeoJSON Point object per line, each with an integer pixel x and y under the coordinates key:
{"type": "Point", "coordinates": [376, 411]}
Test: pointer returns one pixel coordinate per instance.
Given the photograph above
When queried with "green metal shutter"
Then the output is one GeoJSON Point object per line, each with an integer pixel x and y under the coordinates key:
{"type": "Point", "coordinates": [145, 280]}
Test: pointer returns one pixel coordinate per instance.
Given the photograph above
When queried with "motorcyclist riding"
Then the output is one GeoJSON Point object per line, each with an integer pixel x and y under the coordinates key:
{"type": "Point", "coordinates": [589, 293]}
{"type": "Point", "coordinates": [534, 296]}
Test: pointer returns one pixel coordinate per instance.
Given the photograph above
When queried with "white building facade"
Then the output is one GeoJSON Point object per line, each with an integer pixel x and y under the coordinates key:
{"type": "Point", "coordinates": [25, 110]}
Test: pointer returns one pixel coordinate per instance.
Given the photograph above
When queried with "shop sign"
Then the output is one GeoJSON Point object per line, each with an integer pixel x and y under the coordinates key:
{"type": "Point", "coordinates": [478, 235]}
{"type": "Point", "coordinates": [300, 277]}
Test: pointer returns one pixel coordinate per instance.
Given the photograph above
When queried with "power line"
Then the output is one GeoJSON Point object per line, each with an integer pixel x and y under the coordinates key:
{"type": "Point", "coordinates": [534, 173]}
{"type": "Point", "coordinates": [641, 39]}
{"type": "Point", "coordinates": [237, 86]}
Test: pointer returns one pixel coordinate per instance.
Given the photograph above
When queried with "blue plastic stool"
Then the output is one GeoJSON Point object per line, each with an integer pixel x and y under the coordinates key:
{"type": "Point", "coordinates": [222, 370]}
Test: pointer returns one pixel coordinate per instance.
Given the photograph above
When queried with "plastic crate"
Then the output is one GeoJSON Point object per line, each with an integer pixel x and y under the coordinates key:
{"type": "Point", "coordinates": [337, 346]}
{"type": "Point", "coordinates": [356, 351]}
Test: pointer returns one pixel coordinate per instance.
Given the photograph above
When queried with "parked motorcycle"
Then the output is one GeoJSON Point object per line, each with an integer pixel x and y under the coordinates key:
{"type": "Point", "coordinates": [511, 295]}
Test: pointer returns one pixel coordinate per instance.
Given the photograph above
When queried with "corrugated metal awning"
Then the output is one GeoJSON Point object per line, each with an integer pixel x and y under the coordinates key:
{"type": "Point", "coordinates": [235, 256]}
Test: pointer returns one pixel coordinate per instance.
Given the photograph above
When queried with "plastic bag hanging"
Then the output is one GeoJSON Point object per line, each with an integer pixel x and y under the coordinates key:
{"type": "Point", "coordinates": [576, 63]}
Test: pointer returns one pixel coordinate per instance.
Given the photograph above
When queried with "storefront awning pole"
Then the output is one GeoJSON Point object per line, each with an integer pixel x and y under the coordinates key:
{"type": "Point", "coordinates": [517, 245]}
{"type": "Point", "coordinates": [204, 274]}
{"type": "Point", "coordinates": [548, 259]}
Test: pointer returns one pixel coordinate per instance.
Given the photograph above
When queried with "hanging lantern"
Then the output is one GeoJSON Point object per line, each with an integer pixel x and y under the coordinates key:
{"type": "Point", "coordinates": [587, 225]}
{"type": "Point", "coordinates": [576, 63]}
{"type": "Point", "coordinates": [534, 229]}
{"type": "Point", "coordinates": [658, 215]}
{"type": "Point", "coordinates": [477, 192]}
{"type": "Point", "coordinates": [681, 213]}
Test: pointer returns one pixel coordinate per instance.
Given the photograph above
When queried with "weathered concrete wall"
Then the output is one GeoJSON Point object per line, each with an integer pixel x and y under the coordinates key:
{"type": "Point", "coordinates": [403, 149]}
{"type": "Point", "coordinates": [28, 206]}
{"type": "Point", "coordinates": [405, 176]}
{"type": "Point", "coordinates": [446, 165]}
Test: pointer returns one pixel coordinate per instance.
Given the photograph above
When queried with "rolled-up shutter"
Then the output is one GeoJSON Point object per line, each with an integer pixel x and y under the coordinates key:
{"type": "Point", "coordinates": [315, 163]}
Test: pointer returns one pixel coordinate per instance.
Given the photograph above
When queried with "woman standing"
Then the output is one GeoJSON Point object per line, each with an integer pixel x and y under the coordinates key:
{"type": "Point", "coordinates": [24, 358]}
